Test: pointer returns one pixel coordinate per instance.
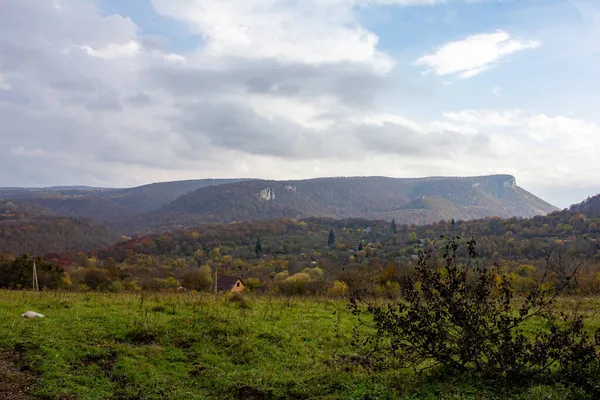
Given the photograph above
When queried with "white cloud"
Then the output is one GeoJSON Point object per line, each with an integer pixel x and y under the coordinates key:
{"type": "Point", "coordinates": [112, 50]}
{"type": "Point", "coordinates": [310, 31]}
{"type": "Point", "coordinates": [497, 91]}
{"type": "Point", "coordinates": [543, 149]}
{"type": "Point", "coordinates": [474, 54]}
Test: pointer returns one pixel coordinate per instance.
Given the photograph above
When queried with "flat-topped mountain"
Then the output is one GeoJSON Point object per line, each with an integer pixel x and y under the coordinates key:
{"type": "Point", "coordinates": [409, 201]}
{"type": "Point", "coordinates": [169, 205]}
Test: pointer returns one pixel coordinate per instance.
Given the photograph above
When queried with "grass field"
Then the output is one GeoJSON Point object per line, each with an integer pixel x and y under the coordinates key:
{"type": "Point", "coordinates": [197, 346]}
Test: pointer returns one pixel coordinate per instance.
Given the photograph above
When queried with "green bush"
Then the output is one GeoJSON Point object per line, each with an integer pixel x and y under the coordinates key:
{"type": "Point", "coordinates": [444, 320]}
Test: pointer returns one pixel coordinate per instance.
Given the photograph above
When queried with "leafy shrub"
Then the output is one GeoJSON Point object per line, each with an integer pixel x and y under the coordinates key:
{"type": "Point", "coordinates": [299, 284]}
{"type": "Point", "coordinates": [463, 318]}
{"type": "Point", "coordinates": [252, 284]}
{"type": "Point", "coordinates": [131, 286]}
{"type": "Point", "coordinates": [285, 274]}
{"type": "Point", "coordinates": [115, 287]}
{"type": "Point", "coordinates": [197, 278]}
{"type": "Point", "coordinates": [338, 289]}
{"type": "Point", "coordinates": [95, 278]}
{"type": "Point", "coordinates": [238, 299]}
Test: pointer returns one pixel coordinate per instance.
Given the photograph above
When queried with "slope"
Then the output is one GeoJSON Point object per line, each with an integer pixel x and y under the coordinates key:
{"type": "Point", "coordinates": [28, 229]}
{"type": "Point", "coordinates": [153, 196]}
{"type": "Point", "coordinates": [357, 197]}
{"type": "Point", "coordinates": [590, 206]}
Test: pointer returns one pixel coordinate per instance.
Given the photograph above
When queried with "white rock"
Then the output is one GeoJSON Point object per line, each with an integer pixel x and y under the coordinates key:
{"type": "Point", "coordinates": [267, 194]}
{"type": "Point", "coordinates": [32, 314]}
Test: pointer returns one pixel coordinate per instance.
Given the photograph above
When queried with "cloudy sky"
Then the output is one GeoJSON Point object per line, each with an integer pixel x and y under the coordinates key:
{"type": "Point", "coordinates": [121, 93]}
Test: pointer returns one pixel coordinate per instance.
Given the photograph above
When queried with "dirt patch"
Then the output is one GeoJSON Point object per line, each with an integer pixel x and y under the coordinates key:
{"type": "Point", "coordinates": [14, 384]}
{"type": "Point", "coordinates": [251, 393]}
{"type": "Point", "coordinates": [105, 361]}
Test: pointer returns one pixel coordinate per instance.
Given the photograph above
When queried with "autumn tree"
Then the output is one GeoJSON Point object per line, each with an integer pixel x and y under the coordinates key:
{"type": "Point", "coordinates": [197, 278]}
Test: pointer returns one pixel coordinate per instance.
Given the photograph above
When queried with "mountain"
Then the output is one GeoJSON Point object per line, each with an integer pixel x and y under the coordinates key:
{"type": "Point", "coordinates": [409, 201]}
{"type": "Point", "coordinates": [91, 206]}
{"type": "Point", "coordinates": [106, 204]}
{"type": "Point", "coordinates": [169, 205]}
{"type": "Point", "coordinates": [153, 196]}
{"type": "Point", "coordinates": [590, 206]}
{"type": "Point", "coordinates": [28, 229]}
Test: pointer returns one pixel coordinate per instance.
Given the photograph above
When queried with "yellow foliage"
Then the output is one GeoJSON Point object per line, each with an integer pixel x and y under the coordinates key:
{"type": "Point", "coordinates": [166, 283]}
{"type": "Point", "coordinates": [282, 276]}
{"type": "Point", "coordinates": [303, 225]}
{"type": "Point", "coordinates": [131, 286]}
{"type": "Point", "coordinates": [339, 289]}
{"type": "Point", "coordinates": [227, 260]}
{"type": "Point", "coordinates": [194, 235]}
{"type": "Point", "coordinates": [215, 254]}
{"type": "Point", "coordinates": [299, 277]}
{"type": "Point", "coordinates": [65, 281]}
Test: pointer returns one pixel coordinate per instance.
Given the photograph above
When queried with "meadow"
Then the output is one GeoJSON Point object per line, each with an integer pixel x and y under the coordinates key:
{"type": "Point", "coordinates": [202, 346]}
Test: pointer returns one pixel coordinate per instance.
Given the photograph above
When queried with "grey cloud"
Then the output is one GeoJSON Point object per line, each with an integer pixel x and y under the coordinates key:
{"type": "Point", "coordinates": [89, 93]}
{"type": "Point", "coordinates": [236, 127]}
{"type": "Point", "coordinates": [140, 99]}
{"type": "Point", "coordinates": [404, 141]}
{"type": "Point", "coordinates": [352, 84]}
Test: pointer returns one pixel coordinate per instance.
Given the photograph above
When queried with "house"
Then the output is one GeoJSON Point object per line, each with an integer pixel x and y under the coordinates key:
{"type": "Point", "coordinates": [229, 284]}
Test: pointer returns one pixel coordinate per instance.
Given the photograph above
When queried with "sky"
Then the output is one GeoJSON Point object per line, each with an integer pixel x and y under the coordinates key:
{"type": "Point", "coordinates": [120, 93]}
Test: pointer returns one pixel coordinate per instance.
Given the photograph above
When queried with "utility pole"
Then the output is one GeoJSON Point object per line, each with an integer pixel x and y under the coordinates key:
{"type": "Point", "coordinates": [36, 286]}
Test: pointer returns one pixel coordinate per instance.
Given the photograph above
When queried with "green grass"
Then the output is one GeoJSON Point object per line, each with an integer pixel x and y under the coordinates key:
{"type": "Point", "coordinates": [109, 346]}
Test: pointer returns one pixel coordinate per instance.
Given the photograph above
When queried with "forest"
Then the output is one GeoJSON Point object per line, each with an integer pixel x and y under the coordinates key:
{"type": "Point", "coordinates": [317, 255]}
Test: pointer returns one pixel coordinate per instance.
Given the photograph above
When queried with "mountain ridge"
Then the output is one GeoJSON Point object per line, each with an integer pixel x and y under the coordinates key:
{"type": "Point", "coordinates": [350, 197]}
{"type": "Point", "coordinates": [590, 206]}
{"type": "Point", "coordinates": [163, 206]}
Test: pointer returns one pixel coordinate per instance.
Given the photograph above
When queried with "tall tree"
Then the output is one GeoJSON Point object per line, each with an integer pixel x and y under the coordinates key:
{"type": "Point", "coordinates": [331, 239]}
{"type": "Point", "coordinates": [393, 226]}
{"type": "Point", "coordinates": [258, 249]}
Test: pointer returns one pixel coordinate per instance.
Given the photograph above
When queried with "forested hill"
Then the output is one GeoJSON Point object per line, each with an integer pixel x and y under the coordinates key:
{"type": "Point", "coordinates": [361, 250]}
{"type": "Point", "coordinates": [106, 204]}
{"type": "Point", "coordinates": [591, 206]}
{"type": "Point", "coordinates": [172, 205]}
{"type": "Point", "coordinates": [409, 201]}
{"type": "Point", "coordinates": [28, 229]}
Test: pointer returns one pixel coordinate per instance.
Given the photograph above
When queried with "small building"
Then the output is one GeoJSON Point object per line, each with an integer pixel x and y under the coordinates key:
{"type": "Point", "coordinates": [229, 284]}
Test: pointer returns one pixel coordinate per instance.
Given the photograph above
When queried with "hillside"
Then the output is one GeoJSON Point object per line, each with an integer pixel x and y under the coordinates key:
{"type": "Point", "coordinates": [28, 229]}
{"type": "Point", "coordinates": [153, 196]}
{"type": "Point", "coordinates": [106, 204]}
{"type": "Point", "coordinates": [590, 206]}
{"type": "Point", "coordinates": [90, 206]}
{"type": "Point", "coordinates": [362, 250]}
{"type": "Point", "coordinates": [409, 201]}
